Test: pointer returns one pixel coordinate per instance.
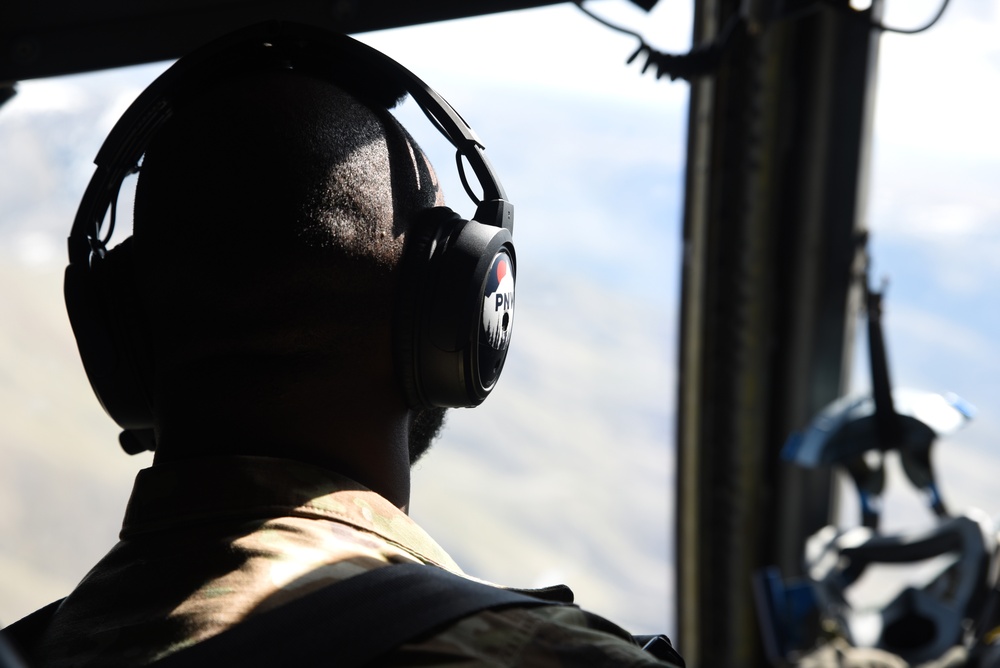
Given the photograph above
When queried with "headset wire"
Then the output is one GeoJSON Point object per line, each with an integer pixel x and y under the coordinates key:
{"type": "Point", "coordinates": [705, 59]}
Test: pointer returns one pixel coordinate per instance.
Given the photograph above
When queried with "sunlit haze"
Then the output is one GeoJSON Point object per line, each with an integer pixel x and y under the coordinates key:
{"type": "Point", "coordinates": [566, 473]}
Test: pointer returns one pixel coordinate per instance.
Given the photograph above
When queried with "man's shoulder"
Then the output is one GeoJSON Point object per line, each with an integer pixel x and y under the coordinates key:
{"type": "Point", "coordinates": [546, 635]}
{"type": "Point", "coordinates": [420, 615]}
{"type": "Point", "coordinates": [450, 617]}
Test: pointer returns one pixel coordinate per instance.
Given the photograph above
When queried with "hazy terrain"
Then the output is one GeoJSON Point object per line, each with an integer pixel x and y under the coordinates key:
{"type": "Point", "coordinates": [548, 481]}
{"type": "Point", "coordinates": [566, 472]}
{"type": "Point", "coordinates": [62, 484]}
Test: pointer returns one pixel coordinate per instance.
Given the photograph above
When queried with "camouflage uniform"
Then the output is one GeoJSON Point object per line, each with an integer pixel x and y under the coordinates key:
{"type": "Point", "coordinates": [207, 544]}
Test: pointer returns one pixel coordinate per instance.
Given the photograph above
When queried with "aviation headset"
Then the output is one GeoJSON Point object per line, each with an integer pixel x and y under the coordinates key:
{"type": "Point", "coordinates": [454, 304]}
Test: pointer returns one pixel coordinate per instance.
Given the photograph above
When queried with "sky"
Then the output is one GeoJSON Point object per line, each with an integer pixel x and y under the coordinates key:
{"type": "Point", "coordinates": [566, 473]}
{"type": "Point", "coordinates": [934, 217]}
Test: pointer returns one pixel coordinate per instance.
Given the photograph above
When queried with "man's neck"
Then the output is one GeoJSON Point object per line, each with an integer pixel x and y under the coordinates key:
{"type": "Point", "coordinates": [371, 448]}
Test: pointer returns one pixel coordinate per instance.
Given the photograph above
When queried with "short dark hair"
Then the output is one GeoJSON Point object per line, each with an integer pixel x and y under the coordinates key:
{"type": "Point", "coordinates": [268, 190]}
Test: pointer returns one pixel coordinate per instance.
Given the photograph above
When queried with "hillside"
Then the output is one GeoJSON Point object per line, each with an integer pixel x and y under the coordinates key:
{"type": "Point", "coordinates": [562, 475]}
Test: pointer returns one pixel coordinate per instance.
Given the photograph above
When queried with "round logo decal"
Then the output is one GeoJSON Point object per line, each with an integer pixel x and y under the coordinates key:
{"type": "Point", "coordinates": [498, 303]}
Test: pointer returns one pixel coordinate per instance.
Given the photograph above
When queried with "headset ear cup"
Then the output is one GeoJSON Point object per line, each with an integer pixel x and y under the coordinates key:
{"type": "Point", "coordinates": [112, 334]}
{"type": "Point", "coordinates": [413, 283]}
{"type": "Point", "coordinates": [449, 352]}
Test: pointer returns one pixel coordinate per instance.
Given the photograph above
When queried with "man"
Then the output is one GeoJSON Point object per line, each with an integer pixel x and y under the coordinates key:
{"type": "Point", "coordinates": [270, 221]}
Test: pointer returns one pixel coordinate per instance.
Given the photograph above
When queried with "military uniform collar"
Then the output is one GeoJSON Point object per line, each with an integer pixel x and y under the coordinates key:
{"type": "Point", "coordinates": [184, 494]}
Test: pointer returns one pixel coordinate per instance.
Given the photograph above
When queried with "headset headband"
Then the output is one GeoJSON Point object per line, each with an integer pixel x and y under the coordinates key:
{"type": "Point", "coordinates": [453, 310]}
{"type": "Point", "coordinates": [336, 57]}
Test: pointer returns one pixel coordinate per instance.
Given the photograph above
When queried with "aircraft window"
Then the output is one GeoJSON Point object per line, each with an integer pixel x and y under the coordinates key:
{"type": "Point", "coordinates": [933, 216]}
{"type": "Point", "coordinates": [566, 473]}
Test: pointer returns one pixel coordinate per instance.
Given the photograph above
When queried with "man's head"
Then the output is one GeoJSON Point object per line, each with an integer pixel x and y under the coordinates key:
{"type": "Point", "coordinates": [270, 219]}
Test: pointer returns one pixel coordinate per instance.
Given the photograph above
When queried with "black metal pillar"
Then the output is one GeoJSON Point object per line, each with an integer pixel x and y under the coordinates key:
{"type": "Point", "coordinates": [777, 165]}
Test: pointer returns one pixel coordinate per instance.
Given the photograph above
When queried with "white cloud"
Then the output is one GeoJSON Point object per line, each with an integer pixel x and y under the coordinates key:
{"type": "Point", "coordinates": [935, 204]}
{"type": "Point", "coordinates": [46, 95]}
{"type": "Point", "coordinates": [940, 90]}
{"type": "Point", "coordinates": [930, 351]}
{"type": "Point", "coordinates": [554, 48]}
{"type": "Point", "coordinates": [36, 249]}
